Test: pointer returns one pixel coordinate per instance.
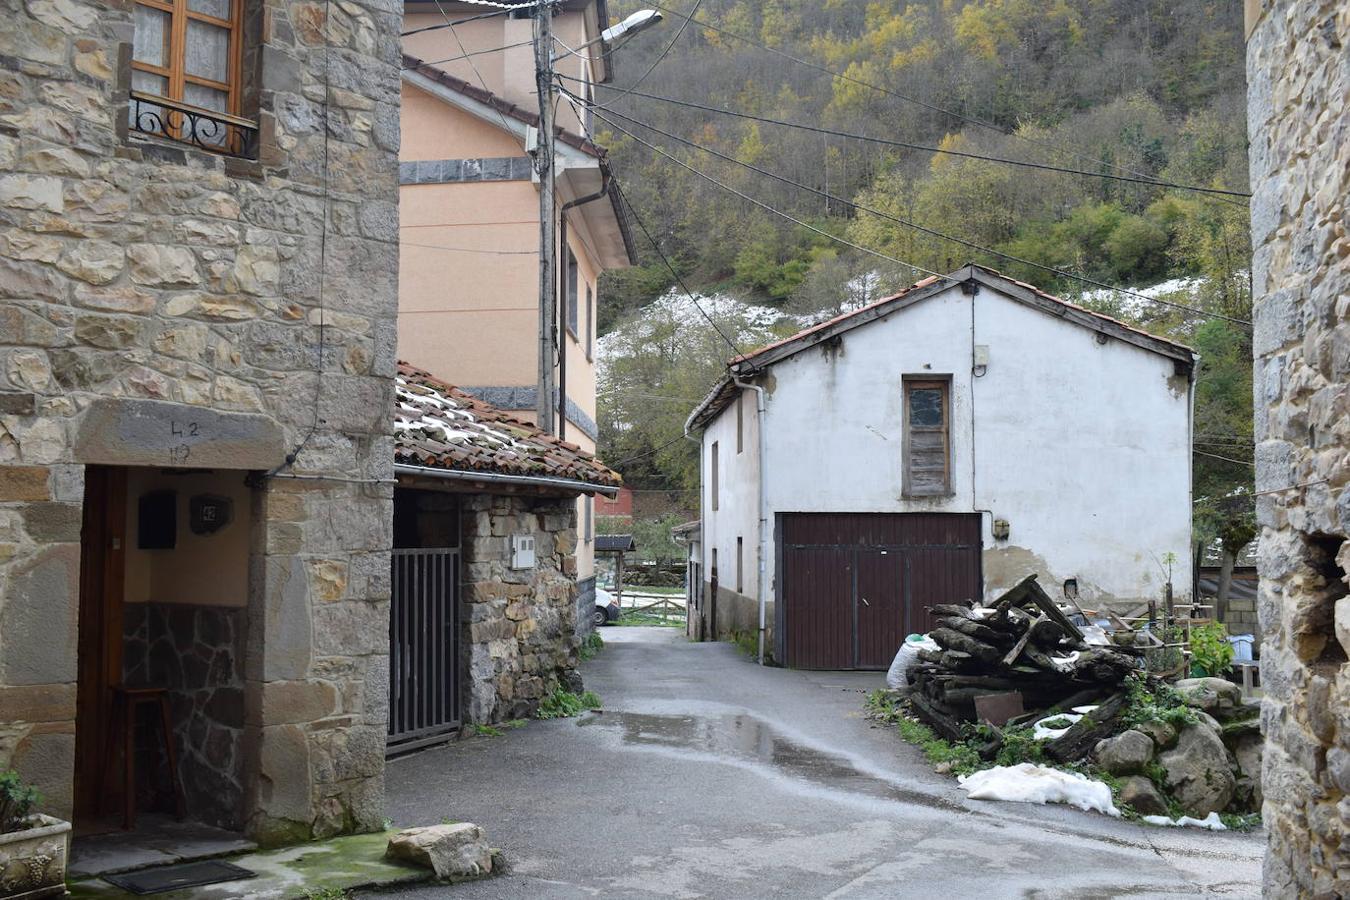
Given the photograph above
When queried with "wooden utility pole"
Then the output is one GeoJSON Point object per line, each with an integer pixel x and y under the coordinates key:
{"type": "Point", "coordinates": [544, 164]}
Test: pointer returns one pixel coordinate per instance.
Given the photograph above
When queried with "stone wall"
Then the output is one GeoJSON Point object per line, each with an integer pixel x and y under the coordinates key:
{"type": "Point", "coordinates": [197, 653]}
{"type": "Point", "coordinates": [1299, 128]}
{"type": "Point", "coordinates": [520, 638]}
{"type": "Point", "coordinates": [161, 305]}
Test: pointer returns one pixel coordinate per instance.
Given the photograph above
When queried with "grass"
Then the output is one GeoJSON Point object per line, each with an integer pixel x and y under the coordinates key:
{"type": "Point", "coordinates": [747, 642]}
{"type": "Point", "coordinates": [1162, 703]}
{"type": "Point", "coordinates": [563, 704]}
{"type": "Point", "coordinates": [591, 647]}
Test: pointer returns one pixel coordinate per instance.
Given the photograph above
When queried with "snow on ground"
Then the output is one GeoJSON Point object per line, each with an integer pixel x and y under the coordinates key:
{"type": "Point", "coordinates": [1179, 290]}
{"type": "Point", "coordinates": [1211, 821]}
{"type": "Point", "coordinates": [1030, 783]}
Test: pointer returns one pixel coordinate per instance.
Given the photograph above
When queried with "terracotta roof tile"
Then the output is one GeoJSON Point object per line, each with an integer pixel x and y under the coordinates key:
{"type": "Point", "coordinates": [438, 426]}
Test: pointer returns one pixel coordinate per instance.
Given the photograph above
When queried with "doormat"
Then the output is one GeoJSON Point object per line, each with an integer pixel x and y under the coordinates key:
{"type": "Point", "coordinates": [172, 878]}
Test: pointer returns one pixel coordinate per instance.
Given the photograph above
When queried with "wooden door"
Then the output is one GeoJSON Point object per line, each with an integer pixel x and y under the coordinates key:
{"type": "Point", "coordinates": [880, 607]}
{"type": "Point", "coordinates": [102, 567]}
{"type": "Point", "coordinates": [852, 585]}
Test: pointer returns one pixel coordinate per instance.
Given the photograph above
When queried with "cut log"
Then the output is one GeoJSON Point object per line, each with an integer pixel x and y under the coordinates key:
{"type": "Point", "coordinates": [1078, 741]}
{"type": "Point", "coordinates": [976, 630]}
{"type": "Point", "coordinates": [955, 640]}
{"type": "Point", "coordinates": [1046, 633]}
{"type": "Point", "coordinates": [950, 609]}
{"type": "Point", "coordinates": [943, 723]}
{"type": "Point", "coordinates": [1017, 648]}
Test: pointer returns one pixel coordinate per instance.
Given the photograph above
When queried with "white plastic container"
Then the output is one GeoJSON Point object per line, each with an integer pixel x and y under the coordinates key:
{"type": "Point", "coordinates": [1242, 646]}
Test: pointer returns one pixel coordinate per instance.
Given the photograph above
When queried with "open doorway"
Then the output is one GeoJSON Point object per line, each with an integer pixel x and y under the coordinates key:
{"type": "Point", "coordinates": [162, 635]}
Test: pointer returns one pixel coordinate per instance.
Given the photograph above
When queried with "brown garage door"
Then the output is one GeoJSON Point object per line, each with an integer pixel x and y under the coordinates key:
{"type": "Point", "coordinates": [852, 585]}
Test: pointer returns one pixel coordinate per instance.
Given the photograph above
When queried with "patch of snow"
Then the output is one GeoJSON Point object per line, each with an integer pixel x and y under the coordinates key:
{"type": "Point", "coordinates": [1030, 783]}
{"type": "Point", "coordinates": [1084, 710]}
{"type": "Point", "coordinates": [1211, 821]}
{"type": "Point", "coordinates": [983, 612]}
{"type": "Point", "coordinates": [1041, 733]}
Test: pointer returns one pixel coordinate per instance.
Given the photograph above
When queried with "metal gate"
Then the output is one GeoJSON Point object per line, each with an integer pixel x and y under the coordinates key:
{"type": "Point", "coordinates": [852, 585]}
{"type": "Point", "coordinates": [423, 648]}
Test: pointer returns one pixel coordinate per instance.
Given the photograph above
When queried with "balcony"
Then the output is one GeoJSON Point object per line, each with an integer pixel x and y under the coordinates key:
{"type": "Point", "coordinates": [205, 129]}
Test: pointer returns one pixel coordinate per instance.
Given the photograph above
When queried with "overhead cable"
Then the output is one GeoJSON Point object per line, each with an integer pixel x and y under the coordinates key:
{"type": "Point", "coordinates": [843, 76]}
{"type": "Point", "coordinates": [899, 221]}
{"type": "Point", "coordinates": [926, 148]}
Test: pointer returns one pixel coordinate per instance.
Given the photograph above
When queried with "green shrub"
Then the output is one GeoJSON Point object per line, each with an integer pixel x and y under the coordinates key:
{"type": "Point", "coordinates": [591, 647]}
{"type": "Point", "coordinates": [1159, 703]}
{"type": "Point", "coordinates": [17, 802]}
{"type": "Point", "coordinates": [1211, 654]}
{"type": "Point", "coordinates": [563, 704]}
{"type": "Point", "coordinates": [1057, 723]}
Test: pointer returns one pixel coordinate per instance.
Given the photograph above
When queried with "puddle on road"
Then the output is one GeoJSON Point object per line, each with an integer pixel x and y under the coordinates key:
{"type": "Point", "coordinates": [745, 738]}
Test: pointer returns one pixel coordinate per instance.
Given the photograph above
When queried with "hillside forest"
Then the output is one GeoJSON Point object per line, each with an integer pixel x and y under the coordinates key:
{"type": "Point", "coordinates": [750, 226]}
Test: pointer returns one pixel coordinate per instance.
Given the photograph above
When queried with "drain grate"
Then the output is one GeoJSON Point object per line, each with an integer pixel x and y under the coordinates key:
{"type": "Point", "coordinates": [184, 875]}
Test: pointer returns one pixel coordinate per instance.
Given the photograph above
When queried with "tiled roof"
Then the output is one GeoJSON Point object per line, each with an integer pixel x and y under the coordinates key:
{"type": "Point", "coordinates": [725, 390]}
{"type": "Point", "coordinates": [497, 102]}
{"type": "Point", "coordinates": [439, 426]}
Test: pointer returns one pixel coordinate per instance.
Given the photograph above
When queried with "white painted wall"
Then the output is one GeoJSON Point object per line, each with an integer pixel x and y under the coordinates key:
{"type": "Point", "coordinates": [1083, 447]}
{"type": "Point", "coordinates": [738, 512]}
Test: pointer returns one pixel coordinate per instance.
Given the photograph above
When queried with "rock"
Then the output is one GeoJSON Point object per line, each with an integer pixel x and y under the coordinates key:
{"type": "Point", "coordinates": [1198, 771]}
{"type": "Point", "coordinates": [1143, 796]}
{"type": "Point", "coordinates": [1212, 695]}
{"type": "Point", "coordinates": [448, 850]}
{"type": "Point", "coordinates": [1126, 753]}
{"type": "Point", "coordinates": [1163, 734]}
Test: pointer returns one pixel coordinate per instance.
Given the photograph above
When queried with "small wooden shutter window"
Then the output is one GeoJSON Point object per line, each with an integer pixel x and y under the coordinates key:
{"type": "Point", "coordinates": [927, 438]}
{"type": "Point", "coordinates": [190, 51]}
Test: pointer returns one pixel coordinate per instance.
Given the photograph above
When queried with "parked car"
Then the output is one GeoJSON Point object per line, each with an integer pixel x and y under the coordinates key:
{"type": "Point", "coordinates": [606, 608]}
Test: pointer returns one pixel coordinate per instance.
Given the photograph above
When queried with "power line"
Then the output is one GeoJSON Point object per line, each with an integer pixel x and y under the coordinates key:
{"type": "Point", "coordinates": [404, 243]}
{"type": "Point", "coordinates": [468, 56]}
{"type": "Point", "coordinates": [1240, 462]}
{"type": "Point", "coordinates": [437, 62]}
{"type": "Point", "coordinates": [843, 76]}
{"type": "Point", "coordinates": [678, 280]}
{"type": "Point", "coordinates": [486, 15]}
{"type": "Point", "coordinates": [924, 147]}
{"type": "Point", "coordinates": [688, 17]}
{"type": "Point", "coordinates": [766, 207]}
{"type": "Point", "coordinates": [645, 453]}
{"type": "Point", "coordinates": [908, 224]}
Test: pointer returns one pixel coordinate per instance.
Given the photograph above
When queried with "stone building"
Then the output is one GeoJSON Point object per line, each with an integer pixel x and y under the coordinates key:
{"type": "Point", "coordinates": [485, 561]}
{"type": "Point", "coordinates": [198, 300]}
{"type": "Point", "coordinates": [1299, 126]}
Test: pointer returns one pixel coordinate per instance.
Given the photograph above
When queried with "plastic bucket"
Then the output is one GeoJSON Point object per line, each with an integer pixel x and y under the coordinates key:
{"type": "Point", "coordinates": [1242, 646]}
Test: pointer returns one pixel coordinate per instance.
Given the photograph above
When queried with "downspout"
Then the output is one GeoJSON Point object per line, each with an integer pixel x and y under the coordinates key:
{"type": "Point", "coordinates": [760, 587]}
{"type": "Point", "coordinates": [567, 297]}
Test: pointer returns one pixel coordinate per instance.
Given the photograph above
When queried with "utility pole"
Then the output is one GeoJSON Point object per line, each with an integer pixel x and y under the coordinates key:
{"type": "Point", "coordinates": [544, 164]}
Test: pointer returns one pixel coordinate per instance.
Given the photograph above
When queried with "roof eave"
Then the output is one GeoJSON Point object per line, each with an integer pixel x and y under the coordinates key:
{"type": "Point", "coordinates": [563, 486]}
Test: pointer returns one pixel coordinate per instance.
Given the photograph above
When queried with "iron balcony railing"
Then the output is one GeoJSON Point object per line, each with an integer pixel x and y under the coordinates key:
{"type": "Point", "coordinates": [186, 124]}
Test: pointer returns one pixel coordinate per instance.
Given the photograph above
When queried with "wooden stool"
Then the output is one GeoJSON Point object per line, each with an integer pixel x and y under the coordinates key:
{"type": "Point", "coordinates": [122, 721]}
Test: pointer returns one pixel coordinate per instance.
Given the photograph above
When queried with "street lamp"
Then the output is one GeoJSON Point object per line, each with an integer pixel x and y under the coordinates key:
{"type": "Point", "coordinates": [638, 21]}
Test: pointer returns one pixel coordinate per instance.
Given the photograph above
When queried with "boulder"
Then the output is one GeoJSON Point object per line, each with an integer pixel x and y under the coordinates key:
{"type": "Point", "coordinates": [1143, 796]}
{"type": "Point", "coordinates": [448, 850]}
{"type": "Point", "coordinates": [1199, 775]}
{"type": "Point", "coordinates": [1125, 754]}
{"type": "Point", "coordinates": [1248, 752]}
{"type": "Point", "coordinates": [1163, 734]}
{"type": "Point", "coordinates": [1213, 695]}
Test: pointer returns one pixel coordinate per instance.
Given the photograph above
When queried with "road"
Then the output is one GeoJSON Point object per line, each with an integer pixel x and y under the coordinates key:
{"type": "Point", "coordinates": [709, 776]}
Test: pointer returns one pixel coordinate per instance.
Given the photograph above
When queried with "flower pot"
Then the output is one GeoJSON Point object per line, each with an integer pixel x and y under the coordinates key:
{"type": "Point", "coordinates": [33, 861]}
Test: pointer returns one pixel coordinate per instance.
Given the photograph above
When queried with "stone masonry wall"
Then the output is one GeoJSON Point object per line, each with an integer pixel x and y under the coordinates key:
{"type": "Point", "coordinates": [161, 305]}
{"type": "Point", "coordinates": [1299, 125]}
{"type": "Point", "coordinates": [519, 624]}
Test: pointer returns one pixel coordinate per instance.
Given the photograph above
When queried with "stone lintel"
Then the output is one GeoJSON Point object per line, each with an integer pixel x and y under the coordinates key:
{"type": "Point", "coordinates": [158, 433]}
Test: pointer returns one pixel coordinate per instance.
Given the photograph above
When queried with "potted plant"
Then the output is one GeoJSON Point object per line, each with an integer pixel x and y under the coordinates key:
{"type": "Point", "coordinates": [33, 847]}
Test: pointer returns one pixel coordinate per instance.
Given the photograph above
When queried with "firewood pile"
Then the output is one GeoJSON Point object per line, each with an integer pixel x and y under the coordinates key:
{"type": "Point", "coordinates": [1022, 644]}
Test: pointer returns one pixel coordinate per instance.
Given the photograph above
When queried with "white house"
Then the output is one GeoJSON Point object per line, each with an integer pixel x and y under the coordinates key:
{"type": "Point", "coordinates": [940, 445]}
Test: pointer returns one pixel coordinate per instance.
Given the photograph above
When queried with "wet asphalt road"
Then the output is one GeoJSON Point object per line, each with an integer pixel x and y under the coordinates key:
{"type": "Point", "coordinates": [708, 776]}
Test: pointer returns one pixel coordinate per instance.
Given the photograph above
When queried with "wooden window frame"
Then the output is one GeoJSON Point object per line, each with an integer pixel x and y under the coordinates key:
{"type": "Point", "coordinates": [943, 383]}
{"type": "Point", "coordinates": [175, 51]}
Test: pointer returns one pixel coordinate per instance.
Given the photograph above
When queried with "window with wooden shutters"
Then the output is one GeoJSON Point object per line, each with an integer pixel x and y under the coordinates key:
{"type": "Point", "coordinates": [927, 447]}
{"type": "Point", "coordinates": [190, 54]}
